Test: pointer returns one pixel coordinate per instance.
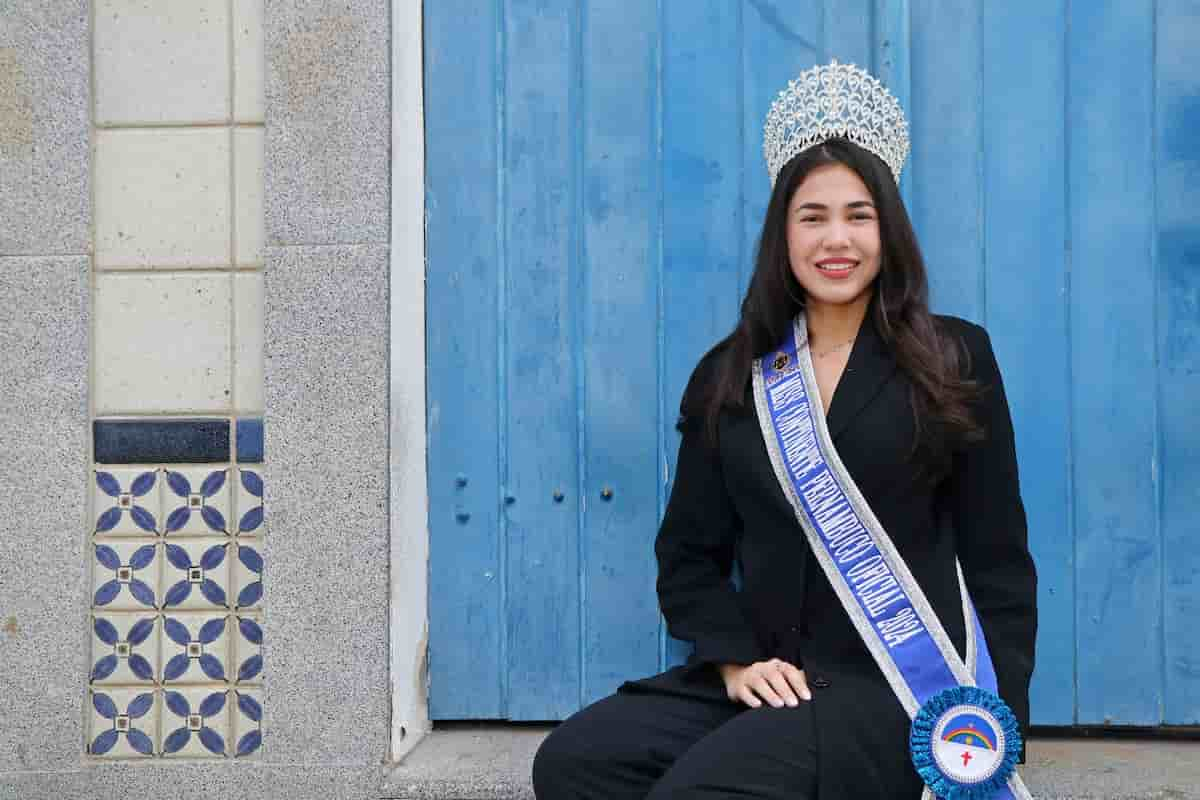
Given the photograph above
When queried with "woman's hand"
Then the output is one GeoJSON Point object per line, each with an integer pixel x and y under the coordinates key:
{"type": "Point", "coordinates": [776, 681]}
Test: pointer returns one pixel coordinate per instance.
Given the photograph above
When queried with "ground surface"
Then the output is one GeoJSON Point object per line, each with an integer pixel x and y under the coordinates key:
{"type": "Point", "coordinates": [486, 762]}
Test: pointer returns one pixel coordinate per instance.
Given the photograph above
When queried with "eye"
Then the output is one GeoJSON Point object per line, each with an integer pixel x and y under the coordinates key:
{"type": "Point", "coordinates": [862, 216]}
{"type": "Point", "coordinates": [810, 218]}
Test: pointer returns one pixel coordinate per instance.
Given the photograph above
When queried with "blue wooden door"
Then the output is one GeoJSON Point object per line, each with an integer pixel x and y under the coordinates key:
{"type": "Point", "coordinates": [595, 188]}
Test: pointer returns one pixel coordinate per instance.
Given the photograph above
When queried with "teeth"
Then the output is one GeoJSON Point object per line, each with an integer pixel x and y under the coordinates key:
{"type": "Point", "coordinates": [835, 267]}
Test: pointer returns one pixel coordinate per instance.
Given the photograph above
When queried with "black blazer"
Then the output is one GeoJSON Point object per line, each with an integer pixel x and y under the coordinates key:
{"type": "Point", "coordinates": [727, 506]}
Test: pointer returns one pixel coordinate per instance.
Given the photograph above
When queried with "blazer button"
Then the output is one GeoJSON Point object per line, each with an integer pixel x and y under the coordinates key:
{"type": "Point", "coordinates": [821, 683]}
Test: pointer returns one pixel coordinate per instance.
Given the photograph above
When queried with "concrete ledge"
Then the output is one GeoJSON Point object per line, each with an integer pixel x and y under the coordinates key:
{"type": "Point", "coordinates": [480, 762]}
{"type": "Point", "coordinates": [1108, 769]}
{"type": "Point", "coordinates": [491, 762]}
{"type": "Point", "coordinates": [195, 780]}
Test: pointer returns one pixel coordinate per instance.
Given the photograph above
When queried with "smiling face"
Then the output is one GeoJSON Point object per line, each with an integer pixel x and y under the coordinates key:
{"type": "Point", "coordinates": [833, 237]}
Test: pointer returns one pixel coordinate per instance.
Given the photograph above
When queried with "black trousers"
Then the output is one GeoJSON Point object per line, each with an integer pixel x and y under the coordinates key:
{"type": "Point", "coordinates": [659, 746]}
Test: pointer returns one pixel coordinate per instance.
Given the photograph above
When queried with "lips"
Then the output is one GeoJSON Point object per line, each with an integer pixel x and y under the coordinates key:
{"type": "Point", "coordinates": [836, 266]}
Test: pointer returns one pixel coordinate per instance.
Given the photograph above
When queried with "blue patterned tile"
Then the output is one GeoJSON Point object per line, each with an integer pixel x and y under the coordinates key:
{"type": "Point", "coordinates": [122, 723]}
{"type": "Point", "coordinates": [247, 721]}
{"type": "Point", "coordinates": [195, 722]}
{"type": "Point", "coordinates": [248, 576]}
{"type": "Point", "coordinates": [196, 501]}
{"type": "Point", "coordinates": [124, 648]}
{"type": "Point", "coordinates": [247, 649]}
{"type": "Point", "coordinates": [190, 441]}
{"type": "Point", "coordinates": [196, 574]}
{"type": "Point", "coordinates": [195, 648]}
{"type": "Point", "coordinates": [128, 502]}
{"type": "Point", "coordinates": [250, 441]}
{"type": "Point", "coordinates": [249, 494]}
{"type": "Point", "coordinates": [125, 575]}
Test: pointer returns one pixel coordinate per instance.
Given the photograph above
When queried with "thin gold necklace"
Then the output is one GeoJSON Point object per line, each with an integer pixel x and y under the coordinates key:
{"type": "Point", "coordinates": [826, 352]}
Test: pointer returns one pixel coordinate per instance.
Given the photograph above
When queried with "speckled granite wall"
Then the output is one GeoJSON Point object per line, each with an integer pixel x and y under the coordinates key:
{"type": "Point", "coordinates": [326, 378]}
{"type": "Point", "coordinates": [44, 242]}
{"type": "Point", "coordinates": [43, 427]}
{"type": "Point", "coordinates": [325, 397]}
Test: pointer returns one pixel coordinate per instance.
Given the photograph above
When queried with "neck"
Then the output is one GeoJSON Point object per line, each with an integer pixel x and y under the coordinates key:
{"type": "Point", "coordinates": [832, 323]}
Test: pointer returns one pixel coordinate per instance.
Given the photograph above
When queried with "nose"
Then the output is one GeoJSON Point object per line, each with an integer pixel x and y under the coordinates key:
{"type": "Point", "coordinates": [837, 236]}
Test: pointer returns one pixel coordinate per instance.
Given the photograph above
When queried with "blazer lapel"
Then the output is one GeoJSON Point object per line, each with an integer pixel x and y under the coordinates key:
{"type": "Point", "coordinates": [867, 370]}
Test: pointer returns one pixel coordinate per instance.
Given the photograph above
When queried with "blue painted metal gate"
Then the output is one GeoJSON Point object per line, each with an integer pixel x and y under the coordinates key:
{"type": "Point", "coordinates": [594, 191]}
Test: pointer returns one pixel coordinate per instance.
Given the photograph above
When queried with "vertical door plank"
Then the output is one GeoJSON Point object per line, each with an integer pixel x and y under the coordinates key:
{"type": "Point", "coordinates": [1025, 239]}
{"type": "Point", "coordinates": [892, 64]}
{"type": "Point", "coordinates": [621, 223]}
{"type": "Point", "coordinates": [1118, 572]}
{"type": "Point", "coordinates": [779, 41]}
{"type": "Point", "coordinates": [847, 35]}
{"type": "Point", "coordinates": [542, 424]}
{"type": "Point", "coordinates": [465, 625]}
{"type": "Point", "coordinates": [702, 173]}
{"type": "Point", "coordinates": [891, 57]}
{"type": "Point", "coordinates": [1178, 179]}
{"type": "Point", "coordinates": [947, 161]}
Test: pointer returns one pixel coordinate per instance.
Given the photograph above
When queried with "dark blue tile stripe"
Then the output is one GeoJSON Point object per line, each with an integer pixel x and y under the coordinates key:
{"type": "Point", "coordinates": [250, 441]}
{"type": "Point", "coordinates": [161, 441]}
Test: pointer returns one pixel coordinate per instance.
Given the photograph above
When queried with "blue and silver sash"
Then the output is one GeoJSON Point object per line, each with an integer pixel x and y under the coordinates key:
{"type": "Point", "coordinates": [964, 740]}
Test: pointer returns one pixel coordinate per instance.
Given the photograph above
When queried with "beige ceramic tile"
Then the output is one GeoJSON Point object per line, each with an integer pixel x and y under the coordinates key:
{"type": "Point", "coordinates": [196, 574]}
{"type": "Point", "coordinates": [247, 714]}
{"type": "Point", "coordinates": [249, 62]}
{"type": "Point", "coordinates": [248, 342]}
{"type": "Point", "coordinates": [248, 146]}
{"type": "Point", "coordinates": [196, 501]}
{"type": "Point", "coordinates": [125, 648]}
{"type": "Point", "coordinates": [195, 648]}
{"type": "Point", "coordinates": [247, 649]}
{"type": "Point", "coordinates": [125, 575]}
{"type": "Point", "coordinates": [162, 198]}
{"type": "Point", "coordinates": [162, 343]}
{"type": "Point", "coordinates": [123, 723]}
{"type": "Point", "coordinates": [195, 722]}
{"type": "Point", "coordinates": [162, 61]}
{"type": "Point", "coordinates": [128, 502]}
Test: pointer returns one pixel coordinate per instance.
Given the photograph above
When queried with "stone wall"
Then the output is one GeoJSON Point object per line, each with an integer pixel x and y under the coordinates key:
{"type": "Point", "coordinates": [194, 249]}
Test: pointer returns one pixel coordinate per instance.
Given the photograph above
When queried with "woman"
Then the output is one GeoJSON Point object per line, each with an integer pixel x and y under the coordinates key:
{"type": "Point", "coordinates": [782, 696]}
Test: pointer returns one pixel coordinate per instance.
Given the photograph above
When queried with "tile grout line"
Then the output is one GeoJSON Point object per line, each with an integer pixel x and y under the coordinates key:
{"type": "Point", "coordinates": [235, 505]}
{"type": "Point", "coordinates": [176, 415]}
{"type": "Point", "coordinates": [231, 108]}
{"type": "Point", "coordinates": [181, 271]}
{"type": "Point", "coordinates": [231, 397]}
{"type": "Point", "coordinates": [160, 126]}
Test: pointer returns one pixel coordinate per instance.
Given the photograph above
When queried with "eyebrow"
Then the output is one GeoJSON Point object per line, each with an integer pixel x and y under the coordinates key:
{"type": "Point", "coordinates": [823, 207]}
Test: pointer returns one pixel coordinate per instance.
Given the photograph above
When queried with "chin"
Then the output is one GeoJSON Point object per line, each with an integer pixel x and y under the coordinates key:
{"type": "Point", "coordinates": [841, 296]}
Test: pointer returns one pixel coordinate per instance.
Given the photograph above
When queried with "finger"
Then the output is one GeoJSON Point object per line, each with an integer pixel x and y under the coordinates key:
{"type": "Point", "coordinates": [798, 681]}
{"type": "Point", "coordinates": [782, 687]}
{"type": "Point", "coordinates": [764, 690]}
{"type": "Point", "coordinates": [747, 697]}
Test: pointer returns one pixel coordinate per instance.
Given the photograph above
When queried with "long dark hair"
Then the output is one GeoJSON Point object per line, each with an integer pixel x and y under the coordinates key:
{"type": "Point", "coordinates": [935, 363]}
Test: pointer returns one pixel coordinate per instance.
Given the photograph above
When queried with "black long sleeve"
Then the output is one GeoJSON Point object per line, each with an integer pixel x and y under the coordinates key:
{"type": "Point", "coordinates": [992, 538]}
{"type": "Point", "coordinates": [695, 550]}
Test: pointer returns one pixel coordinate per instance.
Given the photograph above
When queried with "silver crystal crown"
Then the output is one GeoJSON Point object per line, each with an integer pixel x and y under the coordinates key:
{"type": "Point", "coordinates": [835, 100]}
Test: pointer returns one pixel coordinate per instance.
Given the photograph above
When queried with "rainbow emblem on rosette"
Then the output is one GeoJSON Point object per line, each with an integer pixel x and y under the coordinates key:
{"type": "Point", "coordinates": [969, 729]}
